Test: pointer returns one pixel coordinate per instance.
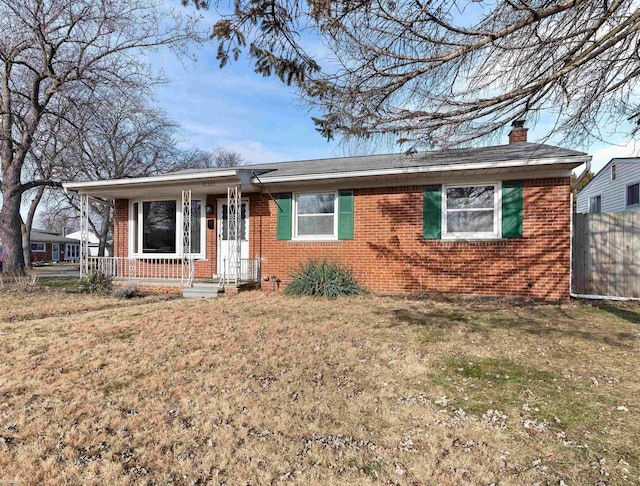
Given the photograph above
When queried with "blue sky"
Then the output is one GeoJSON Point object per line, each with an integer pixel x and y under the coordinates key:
{"type": "Point", "coordinates": [235, 108]}
{"type": "Point", "coordinates": [264, 120]}
{"type": "Point", "coordinates": [261, 118]}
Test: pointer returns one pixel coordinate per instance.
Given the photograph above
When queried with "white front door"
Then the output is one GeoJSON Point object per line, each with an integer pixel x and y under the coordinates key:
{"type": "Point", "coordinates": [55, 252]}
{"type": "Point", "coordinates": [224, 237]}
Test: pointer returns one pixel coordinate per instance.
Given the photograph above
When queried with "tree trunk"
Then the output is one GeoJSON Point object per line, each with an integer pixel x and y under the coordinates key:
{"type": "Point", "coordinates": [26, 246]}
{"type": "Point", "coordinates": [28, 225]}
{"type": "Point", "coordinates": [104, 231]}
{"type": "Point", "coordinates": [10, 221]}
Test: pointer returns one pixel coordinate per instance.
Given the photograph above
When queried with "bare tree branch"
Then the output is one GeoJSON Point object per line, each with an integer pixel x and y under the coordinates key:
{"type": "Point", "coordinates": [428, 75]}
{"type": "Point", "coordinates": [52, 51]}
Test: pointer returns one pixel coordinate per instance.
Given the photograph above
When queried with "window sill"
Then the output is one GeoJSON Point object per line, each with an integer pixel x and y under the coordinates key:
{"type": "Point", "coordinates": [473, 238]}
{"type": "Point", "coordinates": [315, 240]}
{"type": "Point", "coordinates": [164, 256]}
{"type": "Point", "coordinates": [478, 240]}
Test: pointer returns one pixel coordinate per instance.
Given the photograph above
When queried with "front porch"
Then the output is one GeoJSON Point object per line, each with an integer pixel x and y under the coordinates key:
{"type": "Point", "coordinates": [177, 236]}
{"type": "Point", "coordinates": [173, 272]}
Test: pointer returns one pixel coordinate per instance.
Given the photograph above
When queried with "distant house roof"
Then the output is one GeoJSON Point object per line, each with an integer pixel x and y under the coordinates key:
{"type": "Point", "coordinates": [617, 160]}
{"type": "Point", "coordinates": [483, 160]}
{"type": "Point", "coordinates": [42, 236]}
{"type": "Point", "coordinates": [92, 239]}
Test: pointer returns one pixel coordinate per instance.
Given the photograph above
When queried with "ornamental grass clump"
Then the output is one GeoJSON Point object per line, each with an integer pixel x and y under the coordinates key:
{"type": "Point", "coordinates": [324, 279]}
{"type": "Point", "coordinates": [96, 283]}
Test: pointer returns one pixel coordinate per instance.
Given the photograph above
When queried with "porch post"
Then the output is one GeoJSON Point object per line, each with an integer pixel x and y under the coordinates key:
{"type": "Point", "coordinates": [187, 261]}
{"type": "Point", "coordinates": [234, 222]}
{"type": "Point", "coordinates": [84, 235]}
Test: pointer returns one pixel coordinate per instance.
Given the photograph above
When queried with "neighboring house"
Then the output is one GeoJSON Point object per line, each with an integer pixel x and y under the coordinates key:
{"type": "Point", "coordinates": [49, 246]}
{"type": "Point", "coordinates": [615, 188]}
{"type": "Point", "coordinates": [493, 220]}
{"type": "Point", "coordinates": [93, 244]}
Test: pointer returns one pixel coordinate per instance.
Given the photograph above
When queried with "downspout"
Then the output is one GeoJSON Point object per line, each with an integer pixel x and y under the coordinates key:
{"type": "Point", "coordinates": [581, 176]}
{"type": "Point", "coordinates": [265, 189]}
{"type": "Point", "coordinates": [571, 293]}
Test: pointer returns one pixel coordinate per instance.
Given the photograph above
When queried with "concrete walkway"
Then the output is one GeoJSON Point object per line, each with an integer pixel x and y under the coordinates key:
{"type": "Point", "coordinates": [61, 271]}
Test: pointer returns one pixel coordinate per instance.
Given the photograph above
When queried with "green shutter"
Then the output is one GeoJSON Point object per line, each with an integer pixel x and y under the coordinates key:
{"type": "Point", "coordinates": [345, 215]}
{"type": "Point", "coordinates": [432, 212]}
{"type": "Point", "coordinates": [284, 216]}
{"type": "Point", "coordinates": [512, 209]}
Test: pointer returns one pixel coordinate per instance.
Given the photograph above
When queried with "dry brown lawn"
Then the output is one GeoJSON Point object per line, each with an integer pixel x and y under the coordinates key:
{"type": "Point", "coordinates": [267, 389]}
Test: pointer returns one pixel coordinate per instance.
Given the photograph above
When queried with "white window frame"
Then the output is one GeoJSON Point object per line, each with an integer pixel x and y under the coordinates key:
{"type": "Point", "coordinates": [477, 235]}
{"type": "Point", "coordinates": [592, 198]}
{"type": "Point", "coordinates": [71, 251]}
{"type": "Point", "coordinates": [336, 211]}
{"type": "Point", "coordinates": [626, 195]}
{"type": "Point", "coordinates": [44, 248]}
{"type": "Point", "coordinates": [179, 241]}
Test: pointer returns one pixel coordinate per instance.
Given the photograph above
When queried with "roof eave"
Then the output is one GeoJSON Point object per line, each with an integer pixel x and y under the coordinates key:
{"type": "Point", "coordinates": [167, 178]}
{"type": "Point", "coordinates": [247, 176]}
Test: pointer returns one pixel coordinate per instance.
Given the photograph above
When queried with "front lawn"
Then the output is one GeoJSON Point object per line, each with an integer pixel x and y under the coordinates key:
{"type": "Point", "coordinates": [262, 389]}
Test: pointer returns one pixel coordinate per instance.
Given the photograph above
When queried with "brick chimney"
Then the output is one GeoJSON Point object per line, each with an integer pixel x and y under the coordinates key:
{"type": "Point", "coordinates": [518, 133]}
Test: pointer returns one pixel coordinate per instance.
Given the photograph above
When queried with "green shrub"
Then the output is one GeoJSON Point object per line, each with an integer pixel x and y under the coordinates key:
{"type": "Point", "coordinates": [323, 279]}
{"type": "Point", "coordinates": [127, 292]}
{"type": "Point", "coordinates": [96, 283]}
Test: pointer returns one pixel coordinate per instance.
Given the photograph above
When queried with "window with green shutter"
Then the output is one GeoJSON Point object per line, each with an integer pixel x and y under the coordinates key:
{"type": "Point", "coordinates": [432, 212]}
{"type": "Point", "coordinates": [284, 216]}
{"type": "Point", "coordinates": [471, 212]}
{"type": "Point", "coordinates": [345, 215]}
{"type": "Point", "coordinates": [315, 216]}
{"type": "Point", "coordinates": [512, 209]}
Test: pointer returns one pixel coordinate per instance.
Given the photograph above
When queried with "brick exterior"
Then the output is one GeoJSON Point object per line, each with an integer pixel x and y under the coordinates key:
{"type": "Point", "coordinates": [389, 255]}
{"type": "Point", "coordinates": [47, 254]}
{"type": "Point", "coordinates": [121, 228]}
{"type": "Point", "coordinates": [518, 134]}
{"type": "Point", "coordinates": [43, 256]}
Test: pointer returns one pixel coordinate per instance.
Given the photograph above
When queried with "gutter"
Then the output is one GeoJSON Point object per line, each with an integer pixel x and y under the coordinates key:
{"type": "Point", "coordinates": [151, 179]}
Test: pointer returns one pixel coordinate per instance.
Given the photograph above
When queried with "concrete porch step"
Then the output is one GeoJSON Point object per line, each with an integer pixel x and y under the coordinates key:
{"type": "Point", "coordinates": [201, 292]}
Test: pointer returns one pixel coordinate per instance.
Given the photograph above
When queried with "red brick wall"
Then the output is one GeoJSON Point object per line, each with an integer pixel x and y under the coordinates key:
{"type": "Point", "coordinates": [121, 228]}
{"type": "Point", "coordinates": [42, 256]}
{"type": "Point", "coordinates": [389, 255]}
{"type": "Point", "coordinates": [518, 135]}
{"type": "Point", "coordinates": [47, 255]}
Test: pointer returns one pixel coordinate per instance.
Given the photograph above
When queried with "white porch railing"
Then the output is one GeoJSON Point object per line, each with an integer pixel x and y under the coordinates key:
{"type": "Point", "coordinates": [167, 269]}
{"type": "Point", "coordinates": [249, 271]}
{"type": "Point", "coordinates": [142, 268]}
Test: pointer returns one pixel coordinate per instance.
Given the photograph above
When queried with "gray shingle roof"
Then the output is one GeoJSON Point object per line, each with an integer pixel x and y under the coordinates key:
{"type": "Point", "coordinates": [48, 236]}
{"type": "Point", "coordinates": [481, 155]}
